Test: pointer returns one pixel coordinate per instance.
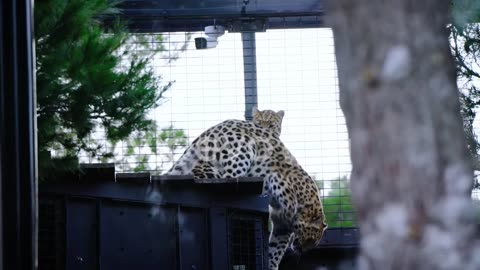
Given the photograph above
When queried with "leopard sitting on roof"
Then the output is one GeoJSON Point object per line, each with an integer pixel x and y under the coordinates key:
{"type": "Point", "coordinates": [236, 148]}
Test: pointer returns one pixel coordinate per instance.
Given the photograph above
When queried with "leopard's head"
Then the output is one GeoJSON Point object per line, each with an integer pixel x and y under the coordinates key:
{"type": "Point", "coordinates": [308, 229]}
{"type": "Point", "coordinates": [268, 119]}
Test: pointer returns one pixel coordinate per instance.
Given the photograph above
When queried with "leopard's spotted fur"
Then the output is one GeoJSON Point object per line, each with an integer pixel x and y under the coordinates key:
{"type": "Point", "coordinates": [236, 148]}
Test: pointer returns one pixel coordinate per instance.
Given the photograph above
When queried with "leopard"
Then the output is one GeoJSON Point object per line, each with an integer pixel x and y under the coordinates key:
{"type": "Point", "coordinates": [268, 119]}
{"type": "Point", "coordinates": [238, 148]}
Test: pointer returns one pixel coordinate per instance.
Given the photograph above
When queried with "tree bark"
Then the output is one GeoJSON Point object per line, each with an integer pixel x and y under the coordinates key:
{"type": "Point", "coordinates": [411, 175]}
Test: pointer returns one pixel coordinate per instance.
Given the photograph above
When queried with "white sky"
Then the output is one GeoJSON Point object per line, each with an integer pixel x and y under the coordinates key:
{"type": "Point", "coordinates": [296, 72]}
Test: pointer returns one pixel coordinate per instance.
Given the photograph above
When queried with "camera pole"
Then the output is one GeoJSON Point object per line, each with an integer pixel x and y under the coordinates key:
{"type": "Point", "coordinates": [249, 72]}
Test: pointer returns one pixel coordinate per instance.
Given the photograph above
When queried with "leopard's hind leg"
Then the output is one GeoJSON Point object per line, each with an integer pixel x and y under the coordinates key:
{"type": "Point", "coordinates": [205, 170]}
{"type": "Point", "coordinates": [281, 237]}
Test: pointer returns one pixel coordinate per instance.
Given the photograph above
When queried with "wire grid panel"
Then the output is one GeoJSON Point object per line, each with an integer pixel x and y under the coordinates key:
{"type": "Point", "coordinates": [207, 88]}
{"type": "Point", "coordinates": [297, 73]}
{"type": "Point", "coordinates": [246, 235]}
{"type": "Point", "coordinates": [51, 235]}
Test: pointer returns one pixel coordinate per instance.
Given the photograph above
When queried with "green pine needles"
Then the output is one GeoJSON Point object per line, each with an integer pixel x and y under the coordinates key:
{"type": "Point", "coordinates": [90, 76]}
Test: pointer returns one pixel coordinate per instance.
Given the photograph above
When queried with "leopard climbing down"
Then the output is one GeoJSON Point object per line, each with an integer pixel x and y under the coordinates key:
{"type": "Point", "coordinates": [236, 148]}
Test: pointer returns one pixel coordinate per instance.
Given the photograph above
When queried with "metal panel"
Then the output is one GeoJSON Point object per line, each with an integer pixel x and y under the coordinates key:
{"type": "Point", "coordinates": [17, 136]}
{"type": "Point", "coordinates": [133, 178]}
{"type": "Point", "coordinates": [219, 243]}
{"type": "Point", "coordinates": [81, 238]}
{"type": "Point", "coordinates": [331, 259]}
{"type": "Point", "coordinates": [193, 194]}
{"type": "Point", "coordinates": [337, 251]}
{"type": "Point", "coordinates": [261, 242]}
{"type": "Point", "coordinates": [131, 234]}
{"type": "Point", "coordinates": [137, 236]}
{"type": "Point", "coordinates": [247, 232]}
{"type": "Point", "coordinates": [193, 238]}
{"type": "Point", "coordinates": [51, 234]}
{"type": "Point", "coordinates": [97, 172]}
{"type": "Point", "coordinates": [340, 237]}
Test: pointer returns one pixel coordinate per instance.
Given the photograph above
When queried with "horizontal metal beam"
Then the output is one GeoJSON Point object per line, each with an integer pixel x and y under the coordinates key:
{"type": "Point", "coordinates": [156, 24]}
{"type": "Point", "coordinates": [179, 8]}
{"type": "Point", "coordinates": [194, 15]}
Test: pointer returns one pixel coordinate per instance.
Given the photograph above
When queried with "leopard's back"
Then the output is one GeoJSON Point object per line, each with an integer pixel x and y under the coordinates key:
{"type": "Point", "coordinates": [225, 150]}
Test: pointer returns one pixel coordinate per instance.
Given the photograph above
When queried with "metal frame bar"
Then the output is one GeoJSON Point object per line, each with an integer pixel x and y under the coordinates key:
{"type": "Point", "coordinates": [249, 72]}
{"type": "Point", "coordinates": [172, 24]}
{"type": "Point", "coordinates": [189, 195]}
{"type": "Point", "coordinates": [219, 245]}
{"type": "Point", "coordinates": [17, 135]}
{"type": "Point", "coordinates": [219, 9]}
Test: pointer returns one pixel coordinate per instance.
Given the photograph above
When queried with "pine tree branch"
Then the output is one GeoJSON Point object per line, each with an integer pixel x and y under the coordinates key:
{"type": "Point", "coordinates": [460, 60]}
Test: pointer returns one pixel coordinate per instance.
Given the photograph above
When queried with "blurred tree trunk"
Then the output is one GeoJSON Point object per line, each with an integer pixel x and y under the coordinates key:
{"type": "Point", "coordinates": [411, 177]}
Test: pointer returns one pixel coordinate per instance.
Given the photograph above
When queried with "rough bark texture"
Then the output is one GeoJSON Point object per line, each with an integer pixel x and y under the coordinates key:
{"type": "Point", "coordinates": [411, 177]}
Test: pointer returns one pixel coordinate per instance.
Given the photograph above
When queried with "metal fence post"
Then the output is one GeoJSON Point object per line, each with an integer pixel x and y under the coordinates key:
{"type": "Point", "coordinates": [17, 136]}
{"type": "Point", "coordinates": [249, 72]}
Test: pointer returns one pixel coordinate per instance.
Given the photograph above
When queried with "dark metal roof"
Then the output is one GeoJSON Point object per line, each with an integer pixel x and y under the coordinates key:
{"type": "Point", "coordinates": [220, 8]}
{"type": "Point", "coordinates": [194, 15]}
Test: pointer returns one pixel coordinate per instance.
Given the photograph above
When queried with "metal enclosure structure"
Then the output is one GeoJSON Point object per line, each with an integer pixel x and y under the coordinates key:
{"type": "Point", "coordinates": [246, 17]}
{"type": "Point", "coordinates": [106, 221]}
{"type": "Point", "coordinates": [238, 15]}
{"type": "Point", "coordinates": [262, 62]}
{"type": "Point", "coordinates": [142, 222]}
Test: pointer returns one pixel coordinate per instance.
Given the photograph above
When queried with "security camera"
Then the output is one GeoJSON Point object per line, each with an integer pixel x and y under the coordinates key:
{"type": "Point", "coordinates": [205, 42]}
{"type": "Point", "coordinates": [212, 33]}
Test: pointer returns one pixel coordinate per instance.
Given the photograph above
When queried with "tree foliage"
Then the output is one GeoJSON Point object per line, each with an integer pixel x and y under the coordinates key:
{"type": "Point", "coordinates": [145, 144]}
{"type": "Point", "coordinates": [465, 47]}
{"type": "Point", "coordinates": [338, 204]}
{"type": "Point", "coordinates": [90, 76]}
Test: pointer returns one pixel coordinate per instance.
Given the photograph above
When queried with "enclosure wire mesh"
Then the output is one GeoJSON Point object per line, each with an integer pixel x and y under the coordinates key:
{"type": "Point", "coordinates": [245, 242]}
{"type": "Point", "coordinates": [51, 241]}
{"type": "Point", "coordinates": [207, 88]}
{"type": "Point", "coordinates": [296, 72]}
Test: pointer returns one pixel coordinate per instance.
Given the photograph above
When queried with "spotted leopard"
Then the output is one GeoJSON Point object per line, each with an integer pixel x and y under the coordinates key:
{"type": "Point", "coordinates": [236, 148]}
{"type": "Point", "coordinates": [268, 119]}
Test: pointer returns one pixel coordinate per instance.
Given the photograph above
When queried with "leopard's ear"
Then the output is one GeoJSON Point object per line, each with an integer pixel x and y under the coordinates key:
{"type": "Point", "coordinates": [281, 114]}
{"type": "Point", "coordinates": [254, 110]}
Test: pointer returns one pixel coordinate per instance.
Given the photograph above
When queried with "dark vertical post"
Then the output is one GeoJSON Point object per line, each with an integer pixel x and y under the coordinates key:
{"type": "Point", "coordinates": [219, 240]}
{"type": "Point", "coordinates": [249, 72]}
{"type": "Point", "coordinates": [17, 136]}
